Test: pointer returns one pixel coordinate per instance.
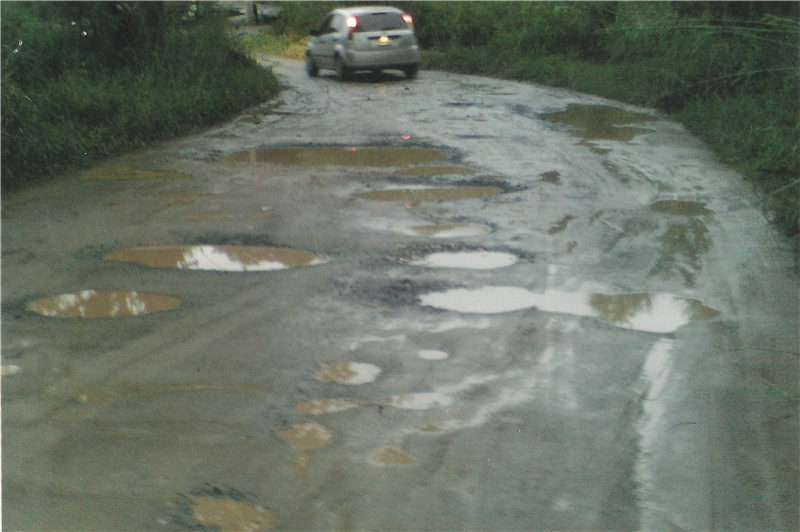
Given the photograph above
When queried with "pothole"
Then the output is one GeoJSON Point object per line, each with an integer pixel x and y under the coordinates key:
{"type": "Point", "coordinates": [553, 177]}
{"type": "Point", "coordinates": [389, 456]}
{"type": "Point", "coordinates": [128, 172]}
{"type": "Point", "coordinates": [226, 510]}
{"type": "Point", "coordinates": [473, 260]}
{"type": "Point", "coordinates": [446, 230]}
{"type": "Point", "coordinates": [561, 225]}
{"type": "Point", "coordinates": [435, 170]}
{"type": "Point", "coordinates": [681, 208]}
{"type": "Point", "coordinates": [600, 122]}
{"type": "Point", "coordinates": [350, 373]}
{"type": "Point", "coordinates": [419, 401]}
{"type": "Point", "coordinates": [432, 354]}
{"type": "Point", "coordinates": [354, 156]}
{"type": "Point", "coordinates": [430, 193]}
{"type": "Point", "coordinates": [660, 313]}
{"type": "Point", "coordinates": [103, 304]}
{"type": "Point", "coordinates": [218, 258]}
{"type": "Point", "coordinates": [326, 406]}
{"type": "Point", "coordinates": [307, 436]}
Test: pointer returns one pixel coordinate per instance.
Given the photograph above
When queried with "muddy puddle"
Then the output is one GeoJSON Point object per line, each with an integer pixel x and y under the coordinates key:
{"type": "Point", "coordinates": [435, 170]}
{"type": "Point", "coordinates": [419, 401]}
{"type": "Point", "coordinates": [430, 194]}
{"type": "Point", "coordinates": [218, 258]}
{"type": "Point", "coordinates": [128, 172]}
{"type": "Point", "coordinates": [433, 354]}
{"type": "Point", "coordinates": [227, 515]}
{"type": "Point", "coordinates": [350, 373]}
{"type": "Point", "coordinates": [353, 156]}
{"type": "Point", "coordinates": [660, 313]}
{"type": "Point", "coordinates": [600, 122]}
{"type": "Point", "coordinates": [388, 456]}
{"type": "Point", "coordinates": [103, 304]}
{"type": "Point", "coordinates": [561, 225]}
{"type": "Point", "coordinates": [473, 260]}
{"type": "Point", "coordinates": [307, 436]}
{"type": "Point", "coordinates": [681, 208]}
{"type": "Point", "coordinates": [446, 230]}
{"type": "Point", "coordinates": [554, 178]}
{"type": "Point", "coordinates": [318, 407]}
{"type": "Point", "coordinates": [682, 250]}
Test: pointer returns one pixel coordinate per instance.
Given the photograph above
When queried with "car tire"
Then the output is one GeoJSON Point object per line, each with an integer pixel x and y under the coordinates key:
{"type": "Point", "coordinates": [311, 69]}
{"type": "Point", "coordinates": [410, 71]}
{"type": "Point", "coordinates": [342, 72]}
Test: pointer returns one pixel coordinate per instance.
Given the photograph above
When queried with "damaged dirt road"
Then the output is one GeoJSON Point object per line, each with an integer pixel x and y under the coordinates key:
{"type": "Point", "coordinates": [449, 303]}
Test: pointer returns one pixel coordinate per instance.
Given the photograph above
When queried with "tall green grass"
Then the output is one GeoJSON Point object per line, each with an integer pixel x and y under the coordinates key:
{"type": "Point", "coordinates": [730, 71]}
{"type": "Point", "coordinates": [81, 82]}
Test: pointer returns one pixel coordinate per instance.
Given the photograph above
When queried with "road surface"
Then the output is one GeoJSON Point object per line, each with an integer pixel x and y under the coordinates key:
{"type": "Point", "coordinates": [448, 303]}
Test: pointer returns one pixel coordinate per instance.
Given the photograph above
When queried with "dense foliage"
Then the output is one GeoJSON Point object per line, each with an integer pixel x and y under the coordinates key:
{"type": "Point", "coordinates": [729, 70]}
{"type": "Point", "coordinates": [81, 80]}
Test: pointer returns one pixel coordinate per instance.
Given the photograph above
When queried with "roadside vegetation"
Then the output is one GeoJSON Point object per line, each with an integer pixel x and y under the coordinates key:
{"type": "Point", "coordinates": [729, 71]}
{"type": "Point", "coordinates": [84, 80]}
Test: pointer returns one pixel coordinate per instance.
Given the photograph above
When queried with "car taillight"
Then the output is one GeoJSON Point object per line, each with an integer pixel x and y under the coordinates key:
{"type": "Point", "coordinates": [407, 18]}
{"type": "Point", "coordinates": [352, 22]}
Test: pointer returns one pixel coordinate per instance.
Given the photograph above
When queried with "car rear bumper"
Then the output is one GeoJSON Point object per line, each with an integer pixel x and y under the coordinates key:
{"type": "Point", "coordinates": [396, 58]}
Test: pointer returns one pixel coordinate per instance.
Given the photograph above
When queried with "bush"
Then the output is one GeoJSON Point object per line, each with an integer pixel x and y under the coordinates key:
{"type": "Point", "coordinates": [67, 100]}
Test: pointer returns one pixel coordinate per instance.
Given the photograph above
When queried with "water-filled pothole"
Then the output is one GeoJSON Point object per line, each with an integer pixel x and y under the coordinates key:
{"type": "Point", "coordinates": [389, 455]}
{"type": "Point", "coordinates": [228, 515]}
{"type": "Point", "coordinates": [681, 208]}
{"type": "Point", "coordinates": [218, 258]}
{"type": "Point", "coordinates": [435, 170]}
{"type": "Point", "coordinates": [432, 354]}
{"type": "Point", "coordinates": [318, 407]}
{"type": "Point", "coordinates": [551, 177]}
{"type": "Point", "coordinates": [600, 122]}
{"type": "Point", "coordinates": [347, 372]}
{"type": "Point", "coordinates": [561, 225]}
{"type": "Point", "coordinates": [659, 313]}
{"type": "Point", "coordinates": [306, 436]}
{"type": "Point", "coordinates": [447, 230]}
{"type": "Point", "coordinates": [473, 260]}
{"type": "Point", "coordinates": [419, 401]}
{"type": "Point", "coordinates": [103, 304]}
{"type": "Point", "coordinates": [430, 194]}
{"type": "Point", "coordinates": [364, 156]}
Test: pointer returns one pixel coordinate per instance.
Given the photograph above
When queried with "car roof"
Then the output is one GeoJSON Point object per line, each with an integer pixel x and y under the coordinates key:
{"type": "Point", "coordinates": [361, 10]}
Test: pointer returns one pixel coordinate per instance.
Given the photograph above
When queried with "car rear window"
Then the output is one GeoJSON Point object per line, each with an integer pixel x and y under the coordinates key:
{"type": "Point", "coordinates": [381, 22]}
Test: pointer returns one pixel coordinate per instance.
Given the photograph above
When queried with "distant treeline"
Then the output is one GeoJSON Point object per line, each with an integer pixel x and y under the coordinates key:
{"type": "Point", "coordinates": [82, 80]}
{"type": "Point", "coordinates": [730, 71]}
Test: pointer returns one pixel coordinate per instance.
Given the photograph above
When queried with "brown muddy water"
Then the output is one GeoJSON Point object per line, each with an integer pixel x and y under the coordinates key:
{"type": "Point", "coordinates": [660, 313]}
{"type": "Point", "coordinates": [227, 515]}
{"type": "Point", "coordinates": [681, 208]}
{"type": "Point", "coordinates": [103, 304]}
{"type": "Point", "coordinates": [600, 122]}
{"type": "Point", "coordinates": [430, 194]}
{"type": "Point", "coordinates": [218, 258]}
{"type": "Point", "coordinates": [307, 436]}
{"type": "Point", "coordinates": [358, 156]}
{"type": "Point", "coordinates": [435, 170]}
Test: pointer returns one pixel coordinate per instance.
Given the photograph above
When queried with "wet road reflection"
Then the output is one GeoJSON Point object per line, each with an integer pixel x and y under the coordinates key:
{"type": "Point", "coordinates": [218, 258]}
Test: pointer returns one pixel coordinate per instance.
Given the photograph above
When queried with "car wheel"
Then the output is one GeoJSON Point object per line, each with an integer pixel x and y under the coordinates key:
{"type": "Point", "coordinates": [311, 68]}
{"type": "Point", "coordinates": [410, 71]}
{"type": "Point", "coordinates": [341, 70]}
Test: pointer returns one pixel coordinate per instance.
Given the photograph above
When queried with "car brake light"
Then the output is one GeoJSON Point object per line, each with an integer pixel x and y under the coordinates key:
{"type": "Point", "coordinates": [352, 22]}
{"type": "Point", "coordinates": [408, 18]}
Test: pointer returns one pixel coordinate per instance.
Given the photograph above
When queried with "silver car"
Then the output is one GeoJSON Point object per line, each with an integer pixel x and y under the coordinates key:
{"type": "Point", "coordinates": [364, 38]}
